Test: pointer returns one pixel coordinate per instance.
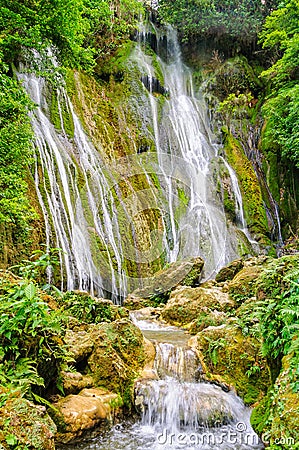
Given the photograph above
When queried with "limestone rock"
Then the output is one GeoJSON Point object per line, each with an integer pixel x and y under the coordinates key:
{"type": "Point", "coordinates": [73, 382]}
{"type": "Point", "coordinates": [186, 304]}
{"type": "Point", "coordinates": [79, 344]}
{"type": "Point", "coordinates": [84, 411]}
{"type": "Point", "coordinates": [187, 273]}
{"type": "Point", "coordinates": [228, 272]}
{"type": "Point", "coordinates": [150, 354]}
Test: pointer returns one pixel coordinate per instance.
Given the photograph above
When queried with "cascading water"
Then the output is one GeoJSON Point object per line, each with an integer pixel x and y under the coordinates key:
{"type": "Point", "coordinates": [177, 409]}
{"type": "Point", "coordinates": [187, 156]}
{"type": "Point", "coordinates": [89, 217]}
{"type": "Point", "coordinates": [76, 214]}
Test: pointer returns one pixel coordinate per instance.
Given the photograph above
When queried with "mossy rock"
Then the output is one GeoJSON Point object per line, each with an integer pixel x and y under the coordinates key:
{"type": "Point", "coordinates": [253, 204]}
{"type": "Point", "coordinates": [243, 285]}
{"type": "Point", "coordinates": [205, 320]}
{"type": "Point", "coordinates": [235, 358]}
{"type": "Point", "coordinates": [187, 304]}
{"type": "Point", "coordinates": [118, 356]}
{"type": "Point", "coordinates": [25, 425]}
{"type": "Point", "coordinates": [277, 415]}
{"type": "Point", "coordinates": [229, 271]}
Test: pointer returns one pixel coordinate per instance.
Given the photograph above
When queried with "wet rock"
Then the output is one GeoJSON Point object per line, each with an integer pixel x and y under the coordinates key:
{"type": "Point", "coordinates": [150, 354]}
{"type": "Point", "coordinates": [204, 320]}
{"type": "Point", "coordinates": [84, 411]}
{"type": "Point", "coordinates": [186, 273]}
{"type": "Point", "coordinates": [228, 272]}
{"type": "Point", "coordinates": [187, 304]}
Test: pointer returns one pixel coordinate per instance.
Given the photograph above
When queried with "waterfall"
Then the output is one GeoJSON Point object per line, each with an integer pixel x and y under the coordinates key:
{"type": "Point", "coordinates": [178, 409]}
{"type": "Point", "coordinates": [187, 155]}
{"type": "Point", "coordinates": [77, 214]}
{"type": "Point", "coordinates": [107, 246]}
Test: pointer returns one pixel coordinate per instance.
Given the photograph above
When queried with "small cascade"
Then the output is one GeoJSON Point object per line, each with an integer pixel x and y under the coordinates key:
{"type": "Point", "coordinates": [180, 363]}
{"type": "Point", "coordinates": [177, 408]}
{"type": "Point", "coordinates": [239, 205]}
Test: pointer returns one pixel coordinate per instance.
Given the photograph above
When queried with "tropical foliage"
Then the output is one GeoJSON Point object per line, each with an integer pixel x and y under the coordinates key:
{"type": "Point", "coordinates": [281, 35]}
{"type": "Point", "coordinates": [240, 20]}
{"type": "Point", "coordinates": [15, 154]}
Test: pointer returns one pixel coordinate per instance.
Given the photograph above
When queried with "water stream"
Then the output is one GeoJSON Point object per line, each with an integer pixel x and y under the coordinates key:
{"type": "Point", "coordinates": [177, 410]}
{"type": "Point", "coordinates": [101, 230]}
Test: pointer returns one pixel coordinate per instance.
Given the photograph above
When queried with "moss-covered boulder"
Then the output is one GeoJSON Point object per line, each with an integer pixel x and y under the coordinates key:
{"type": "Point", "coordinates": [24, 424]}
{"type": "Point", "coordinates": [187, 304]}
{"type": "Point", "coordinates": [117, 357]}
{"type": "Point", "coordinates": [229, 271]}
{"type": "Point", "coordinates": [243, 285]}
{"type": "Point", "coordinates": [158, 288]}
{"type": "Point", "coordinates": [110, 355]}
{"type": "Point", "coordinates": [234, 359]}
{"type": "Point", "coordinates": [277, 416]}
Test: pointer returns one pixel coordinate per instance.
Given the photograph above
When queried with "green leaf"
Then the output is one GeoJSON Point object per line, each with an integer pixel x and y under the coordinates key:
{"type": "Point", "coordinates": [11, 439]}
{"type": "Point", "coordinates": [30, 291]}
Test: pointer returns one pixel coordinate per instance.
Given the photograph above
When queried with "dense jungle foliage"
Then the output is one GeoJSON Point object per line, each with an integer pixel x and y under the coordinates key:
{"type": "Point", "coordinates": [87, 34]}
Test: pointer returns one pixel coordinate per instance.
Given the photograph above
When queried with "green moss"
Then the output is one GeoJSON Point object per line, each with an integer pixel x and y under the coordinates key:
{"type": "Point", "coordinates": [24, 425]}
{"type": "Point", "coordinates": [59, 110]}
{"type": "Point", "coordinates": [237, 361]}
{"type": "Point", "coordinates": [118, 357]}
{"type": "Point", "coordinates": [254, 210]}
{"type": "Point", "coordinates": [277, 415]}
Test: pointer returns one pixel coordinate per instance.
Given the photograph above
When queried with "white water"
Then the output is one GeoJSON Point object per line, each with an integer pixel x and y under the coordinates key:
{"type": "Point", "coordinates": [75, 187]}
{"type": "Point", "coordinates": [76, 214]}
{"type": "Point", "coordinates": [176, 410]}
{"type": "Point", "coordinates": [188, 159]}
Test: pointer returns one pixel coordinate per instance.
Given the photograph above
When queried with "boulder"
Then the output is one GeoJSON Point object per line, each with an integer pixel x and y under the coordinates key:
{"type": "Point", "coordinates": [242, 286]}
{"type": "Point", "coordinates": [186, 273]}
{"type": "Point", "coordinates": [228, 272]}
{"type": "Point", "coordinates": [186, 304]}
{"type": "Point", "coordinates": [84, 411]}
{"type": "Point", "coordinates": [80, 344]}
{"type": "Point", "coordinates": [117, 357]}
